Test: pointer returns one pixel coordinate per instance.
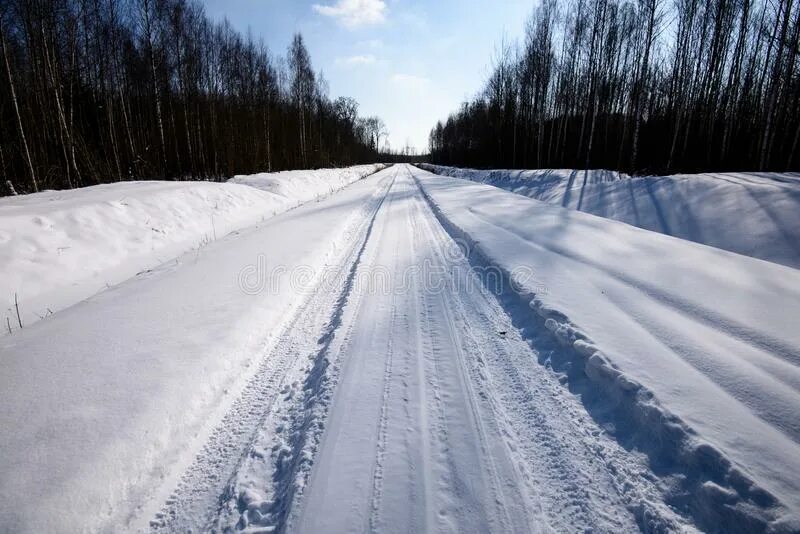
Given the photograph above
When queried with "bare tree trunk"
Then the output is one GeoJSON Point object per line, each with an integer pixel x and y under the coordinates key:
{"type": "Point", "coordinates": [156, 93]}
{"type": "Point", "coordinates": [269, 137]}
{"type": "Point", "coordinates": [67, 143]}
{"type": "Point", "coordinates": [643, 78]}
{"type": "Point", "coordinates": [766, 143]}
{"type": "Point", "coordinates": [14, 100]}
{"type": "Point", "coordinates": [793, 151]}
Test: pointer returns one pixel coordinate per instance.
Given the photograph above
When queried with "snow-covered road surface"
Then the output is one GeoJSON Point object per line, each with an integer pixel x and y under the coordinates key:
{"type": "Point", "coordinates": [399, 381]}
{"type": "Point", "coordinates": [406, 401]}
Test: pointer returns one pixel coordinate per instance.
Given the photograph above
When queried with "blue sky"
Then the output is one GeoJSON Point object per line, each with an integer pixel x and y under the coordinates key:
{"type": "Point", "coordinates": [409, 61]}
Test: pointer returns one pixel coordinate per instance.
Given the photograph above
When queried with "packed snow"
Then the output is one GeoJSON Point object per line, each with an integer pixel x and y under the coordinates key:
{"type": "Point", "coordinates": [752, 213]}
{"type": "Point", "coordinates": [60, 247]}
{"type": "Point", "coordinates": [400, 357]}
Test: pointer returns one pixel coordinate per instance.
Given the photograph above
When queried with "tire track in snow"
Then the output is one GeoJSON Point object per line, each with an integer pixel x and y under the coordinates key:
{"type": "Point", "coordinates": [380, 451]}
{"type": "Point", "coordinates": [453, 426]}
{"type": "Point", "coordinates": [581, 475]}
{"type": "Point", "coordinates": [208, 485]}
{"type": "Point", "coordinates": [403, 389]}
{"type": "Point", "coordinates": [295, 426]}
{"type": "Point", "coordinates": [433, 433]}
{"type": "Point", "coordinates": [309, 410]}
{"type": "Point", "coordinates": [427, 389]}
{"type": "Point", "coordinates": [442, 242]}
{"type": "Point", "coordinates": [489, 463]}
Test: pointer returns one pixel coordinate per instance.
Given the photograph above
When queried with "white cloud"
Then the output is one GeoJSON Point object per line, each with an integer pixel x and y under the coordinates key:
{"type": "Point", "coordinates": [354, 13]}
{"type": "Point", "coordinates": [356, 61]}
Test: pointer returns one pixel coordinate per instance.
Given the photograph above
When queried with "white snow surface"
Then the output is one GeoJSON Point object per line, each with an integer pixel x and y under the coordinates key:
{"type": "Point", "coordinates": [105, 403]}
{"type": "Point", "coordinates": [753, 213]}
{"type": "Point", "coordinates": [701, 344]}
{"type": "Point", "coordinates": [345, 366]}
{"type": "Point", "coordinates": [60, 247]}
{"type": "Point", "coordinates": [301, 186]}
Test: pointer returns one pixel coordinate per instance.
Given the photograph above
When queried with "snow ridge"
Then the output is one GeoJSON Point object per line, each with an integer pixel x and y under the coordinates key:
{"type": "Point", "coordinates": [58, 248]}
{"type": "Point", "coordinates": [755, 214]}
{"type": "Point", "coordinates": [705, 484]}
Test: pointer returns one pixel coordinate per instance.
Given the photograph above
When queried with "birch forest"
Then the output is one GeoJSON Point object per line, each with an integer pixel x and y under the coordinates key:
{"type": "Point", "coordinates": [644, 86]}
{"type": "Point", "coordinates": [96, 91]}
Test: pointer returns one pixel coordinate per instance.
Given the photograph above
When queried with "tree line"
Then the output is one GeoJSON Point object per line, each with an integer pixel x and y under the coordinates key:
{"type": "Point", "coordinates": [94, 91]}
{"type": "Point", "coordinates": [640, 86]}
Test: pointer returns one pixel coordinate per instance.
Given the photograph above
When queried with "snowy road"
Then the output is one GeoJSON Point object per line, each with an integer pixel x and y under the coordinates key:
{"type": "Point", "coordinates": [378, 371]}
{"type": "Point", "coordinates": [401, 398]}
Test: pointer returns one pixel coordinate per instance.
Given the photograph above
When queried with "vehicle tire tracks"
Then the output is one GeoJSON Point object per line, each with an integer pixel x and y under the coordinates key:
{"type": "Point", "coordinates": [207, 488]}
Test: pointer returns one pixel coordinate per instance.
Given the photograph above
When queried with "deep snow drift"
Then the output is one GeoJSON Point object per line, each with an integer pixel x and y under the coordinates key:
{"type": "Point", "coordinates": [59, 247]}
{"type": "Point", "coordinates": [755, 214]}
{"type": "Point", "coordinates": [695, 349]}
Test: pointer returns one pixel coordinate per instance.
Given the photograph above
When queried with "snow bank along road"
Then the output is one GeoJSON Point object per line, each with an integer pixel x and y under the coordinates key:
{"type": "Point", "coordinates": [753, 213]}
{"type": "Point", "coordinates": [415, 353]}
{"type": "Point", "coordinates": [60, 247]}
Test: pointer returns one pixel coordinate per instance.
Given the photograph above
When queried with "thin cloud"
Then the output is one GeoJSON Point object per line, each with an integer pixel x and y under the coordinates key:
{"type": "Point", "coordinates": [354, 13]}
{"type": "Point", "coordinates": [356, 61]}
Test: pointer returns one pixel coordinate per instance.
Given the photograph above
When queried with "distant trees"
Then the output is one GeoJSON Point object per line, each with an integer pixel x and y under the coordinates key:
{"type": "Point", "coordinates": [641, 86]}
{"type": "Point", "coordinates": [100, 90]}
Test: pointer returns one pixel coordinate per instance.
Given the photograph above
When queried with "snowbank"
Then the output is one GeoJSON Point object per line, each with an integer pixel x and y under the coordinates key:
{"type": "Point", "coordinates": [302, 186]}
{"type": "Point", "coordinates": [755, 214]}
{"type": "Point", "coordinates": [692, 359]}
{"type": "Point", "coordinates": [60, 247]}
{"type": "Point", "coordinates": [105, 404]}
